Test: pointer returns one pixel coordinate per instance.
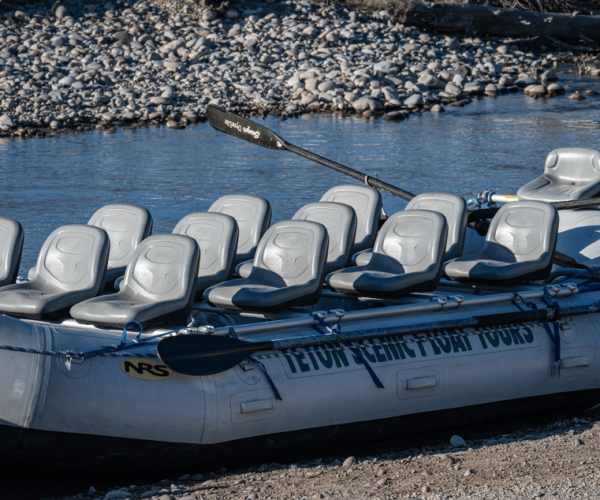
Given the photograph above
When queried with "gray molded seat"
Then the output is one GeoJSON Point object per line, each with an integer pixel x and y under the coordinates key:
{"type": "Point", "coordinates": [569, 174]}
{"type": "Point", "coordinates": [519, 246]}
{"type": "Point", "coordinates": [70, 268]}
{"type": "Point", "coordinates": [126, 226]}
{"type": "Point", "coordinates": [367, 204]}
{"type": "Point", "coordinates": [253, 216]}
{"type": "Point", "coordinates": [11, 247]}
{"type": "Point", "coordinates": [452, 207]}
{"type": "Point", "coordinates": [407, 257]}
{"type": "Point", "coordinates": [158, 286]}
{"type": "Point", "coordinates": [288, 270]}
{"type": "Point", "coordinates": [217, 236]}
{"type": "Point", "coordinates": [339, 220]}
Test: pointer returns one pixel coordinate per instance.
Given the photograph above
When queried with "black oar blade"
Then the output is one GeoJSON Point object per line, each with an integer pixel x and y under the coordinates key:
{"type": "Point", "coordinates": [239, 127]}
{"type": "Point", "coordinates": [202, 354]}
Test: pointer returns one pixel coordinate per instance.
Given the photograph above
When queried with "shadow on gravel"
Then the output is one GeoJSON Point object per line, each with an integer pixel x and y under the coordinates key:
{"type": "Point", "coordinates": [61, 484]}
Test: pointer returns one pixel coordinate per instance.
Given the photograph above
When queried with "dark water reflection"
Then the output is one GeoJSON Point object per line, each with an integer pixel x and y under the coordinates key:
{"type": "Point", "coordinates": [494, 143]}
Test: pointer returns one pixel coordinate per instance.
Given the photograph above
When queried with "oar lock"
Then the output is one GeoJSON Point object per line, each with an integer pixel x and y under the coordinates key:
{"type": "Point", "coordinates": [444, 300]}
{"type": "Point", "coordinates": [201, 330]}
{"type": "Point", "coordinates": [340, 313]}
{"type": "Point", "coordinates": [482, 198]}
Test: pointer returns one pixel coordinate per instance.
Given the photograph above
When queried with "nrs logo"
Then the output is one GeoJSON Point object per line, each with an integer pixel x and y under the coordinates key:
{"type": "Point", "coordinates": [146, 369]}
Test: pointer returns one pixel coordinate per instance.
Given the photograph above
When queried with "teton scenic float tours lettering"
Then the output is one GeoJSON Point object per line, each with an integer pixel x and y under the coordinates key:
{"type": "Point", "coordinates": [315, 360]}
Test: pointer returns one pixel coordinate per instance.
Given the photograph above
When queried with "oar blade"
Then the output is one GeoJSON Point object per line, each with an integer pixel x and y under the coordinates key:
{"type": "Point", "coordinates": [200, 354]}
{"type": "Point", "coordinates": [239, 127]}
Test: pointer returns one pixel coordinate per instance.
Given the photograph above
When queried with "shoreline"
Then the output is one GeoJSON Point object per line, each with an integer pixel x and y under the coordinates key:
{"type": "Point", "coordinates": [137, 63]}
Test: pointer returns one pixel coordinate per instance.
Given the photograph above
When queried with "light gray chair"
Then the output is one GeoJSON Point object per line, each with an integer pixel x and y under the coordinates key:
{"type": "Point", "coordinates": [70, 268]}
{"type": "Point", "coordinates": [217, 236]}
{"type": "Point", "coordinates": [367, 204]}
{"type": "Point", "coordinates": [407, 257]}
{"type": "Point", "coordinates": [569, 174]}
{"type": "Point", "coordinates": [126, 226]}
{"type": "Point", "coordinates": [288, 270]}
{"type": "Point", "coordinates": [339, 220]}
{"type": "Point", "coordinates": [158, 287]}
{"type": "Point", "coordinates": [11, 247]}
{"type": "Point", "coordinates": [253, 216]}
{"type": "Point", "coordinates": [519, 246]}
{"type": "Point", "coordinates": [452, 207]}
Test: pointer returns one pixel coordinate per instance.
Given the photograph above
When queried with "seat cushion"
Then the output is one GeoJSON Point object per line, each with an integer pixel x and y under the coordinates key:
{"type": "Point", "coordinates": [158, 286]}
{"type": "Point", "coordinates": [29, 300]}
{"type": "Point", "coordinates": [569, 174]}
{"type": "Point", "coordinates": [366, 203]}
{"type": "Point", "coordinates": [454, 209]}
{"type": "Point", "coordinates": [253, 216]}
{"type": "Point", "coordinates": [126, 226]}
{"type": "Point", "coordinates": [407, 257]}
{"type": "Point", "coordinates": [519, 246]}
{"type": "Point", "coordinates": [340, 221]}
{"type": "Point", "coordinates": [70, 268]}
{"type": "Point", "coordinates": [288, 270]}
{"type": "Point", "coordinates": [217, 236]}
{"type": "Point", "coordinates": [11, 247]}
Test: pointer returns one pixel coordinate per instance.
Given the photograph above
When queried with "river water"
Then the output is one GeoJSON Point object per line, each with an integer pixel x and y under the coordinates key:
{"type": "Point", "coordinates": [496, 143]}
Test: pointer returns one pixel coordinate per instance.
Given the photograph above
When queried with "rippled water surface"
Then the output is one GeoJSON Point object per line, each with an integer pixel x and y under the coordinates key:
{"type": "Point", "coordinates": [496, 143]}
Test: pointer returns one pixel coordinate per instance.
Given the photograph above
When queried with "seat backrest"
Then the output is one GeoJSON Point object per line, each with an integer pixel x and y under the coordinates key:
{"type": "Point", "coordinates": [11, 247]}
{"type": "Point", "coordinates": [415, 239]}
{"type": "Point", "coordinates": [340, 221]}
{"type": "Point", "coordinates": [522, 231]}
{"type": "Point", "coordinates": [216, 235]}
{"type": "Point", "coordinates": [126, 226]}
{"type": "Point", "coordinates": [367, 204]}
{"type": "Point", "coordinates": [454, 209]}
{"type": "Point", "coordinates": [253, 216]}
{"type": "Point", "coordinates": [73, 258]}
{"type": "Point", "coordinates": [163, 267]}
{"type": "Point", "coordinates": [569, 174]}
{"type": "Point", "coordinates": [295, 251]}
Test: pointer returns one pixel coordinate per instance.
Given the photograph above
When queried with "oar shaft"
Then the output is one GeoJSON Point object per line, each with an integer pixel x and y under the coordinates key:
{"type": "Point", "coordinates": [247, 130]}
{"type": "Point", "coordinates": [473, 322]}
{"type": "Point", "coordinates": [488, 213]}
{"type": "Point", "coordinates": [355, 174]}
{"type": "Point", "coordinates": [590, 202]}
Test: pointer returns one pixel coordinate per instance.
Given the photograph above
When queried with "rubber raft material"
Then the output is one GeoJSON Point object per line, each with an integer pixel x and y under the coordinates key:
{"type": "Point", "coordinates": [24, 447]}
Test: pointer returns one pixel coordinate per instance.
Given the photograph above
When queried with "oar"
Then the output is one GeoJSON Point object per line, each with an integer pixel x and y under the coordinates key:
{"type": "Point", "coordinates": [239, 127]}
{"type": "Point", "coordinates": [211, 354]}
{"type": "Point", "coordinates": [488, 213]}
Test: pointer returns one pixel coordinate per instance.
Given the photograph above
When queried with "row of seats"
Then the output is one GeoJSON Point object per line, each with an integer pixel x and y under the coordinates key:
{"type": "Point", "coordinates": [408, 256]}
{"type": "Point", "coordinates": [292, 260]}
{"type": "Point", "coordinates": [78, 262]}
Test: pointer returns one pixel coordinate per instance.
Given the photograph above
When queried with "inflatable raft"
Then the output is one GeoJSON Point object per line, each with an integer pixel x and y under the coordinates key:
{"type": "Point", "coordinates": [232, 339]}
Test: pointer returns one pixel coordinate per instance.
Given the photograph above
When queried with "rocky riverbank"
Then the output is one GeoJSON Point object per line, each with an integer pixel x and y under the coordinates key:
{"type": "Point", "coordinates": [555, 460]}
{"type": "Point", "coordinates": [130, 63]}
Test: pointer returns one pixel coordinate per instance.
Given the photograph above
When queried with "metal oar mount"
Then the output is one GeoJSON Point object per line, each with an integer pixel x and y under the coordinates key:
{"type": "Point", "coordinates": [488, 213]}
{"type": "Point", "coordinates": [239, 127]}
{"type": "Point", "coordinates": [211, 354]}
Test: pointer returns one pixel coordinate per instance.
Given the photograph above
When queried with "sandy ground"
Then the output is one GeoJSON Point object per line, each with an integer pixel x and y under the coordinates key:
{"type": "Point", "coordinates": [552, 458]}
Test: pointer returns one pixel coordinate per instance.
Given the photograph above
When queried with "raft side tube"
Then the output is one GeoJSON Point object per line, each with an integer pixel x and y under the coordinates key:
{"type": "Point", "coordinates": [23, 375]}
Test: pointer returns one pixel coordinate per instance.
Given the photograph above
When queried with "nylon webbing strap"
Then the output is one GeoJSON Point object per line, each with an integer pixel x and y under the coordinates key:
{"type": "Point", "coordinates": [553, 333]}
{"type": "Point", "coordinates": [252, 359]}
{"type": "Point", "coordinates": [353, 350]}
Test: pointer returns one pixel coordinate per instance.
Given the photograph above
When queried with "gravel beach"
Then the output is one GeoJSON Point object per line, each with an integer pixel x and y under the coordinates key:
{"type": "Point", "coordinates": [556, 460]}
{"type": "Point", "coordinates": [79, 65]}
